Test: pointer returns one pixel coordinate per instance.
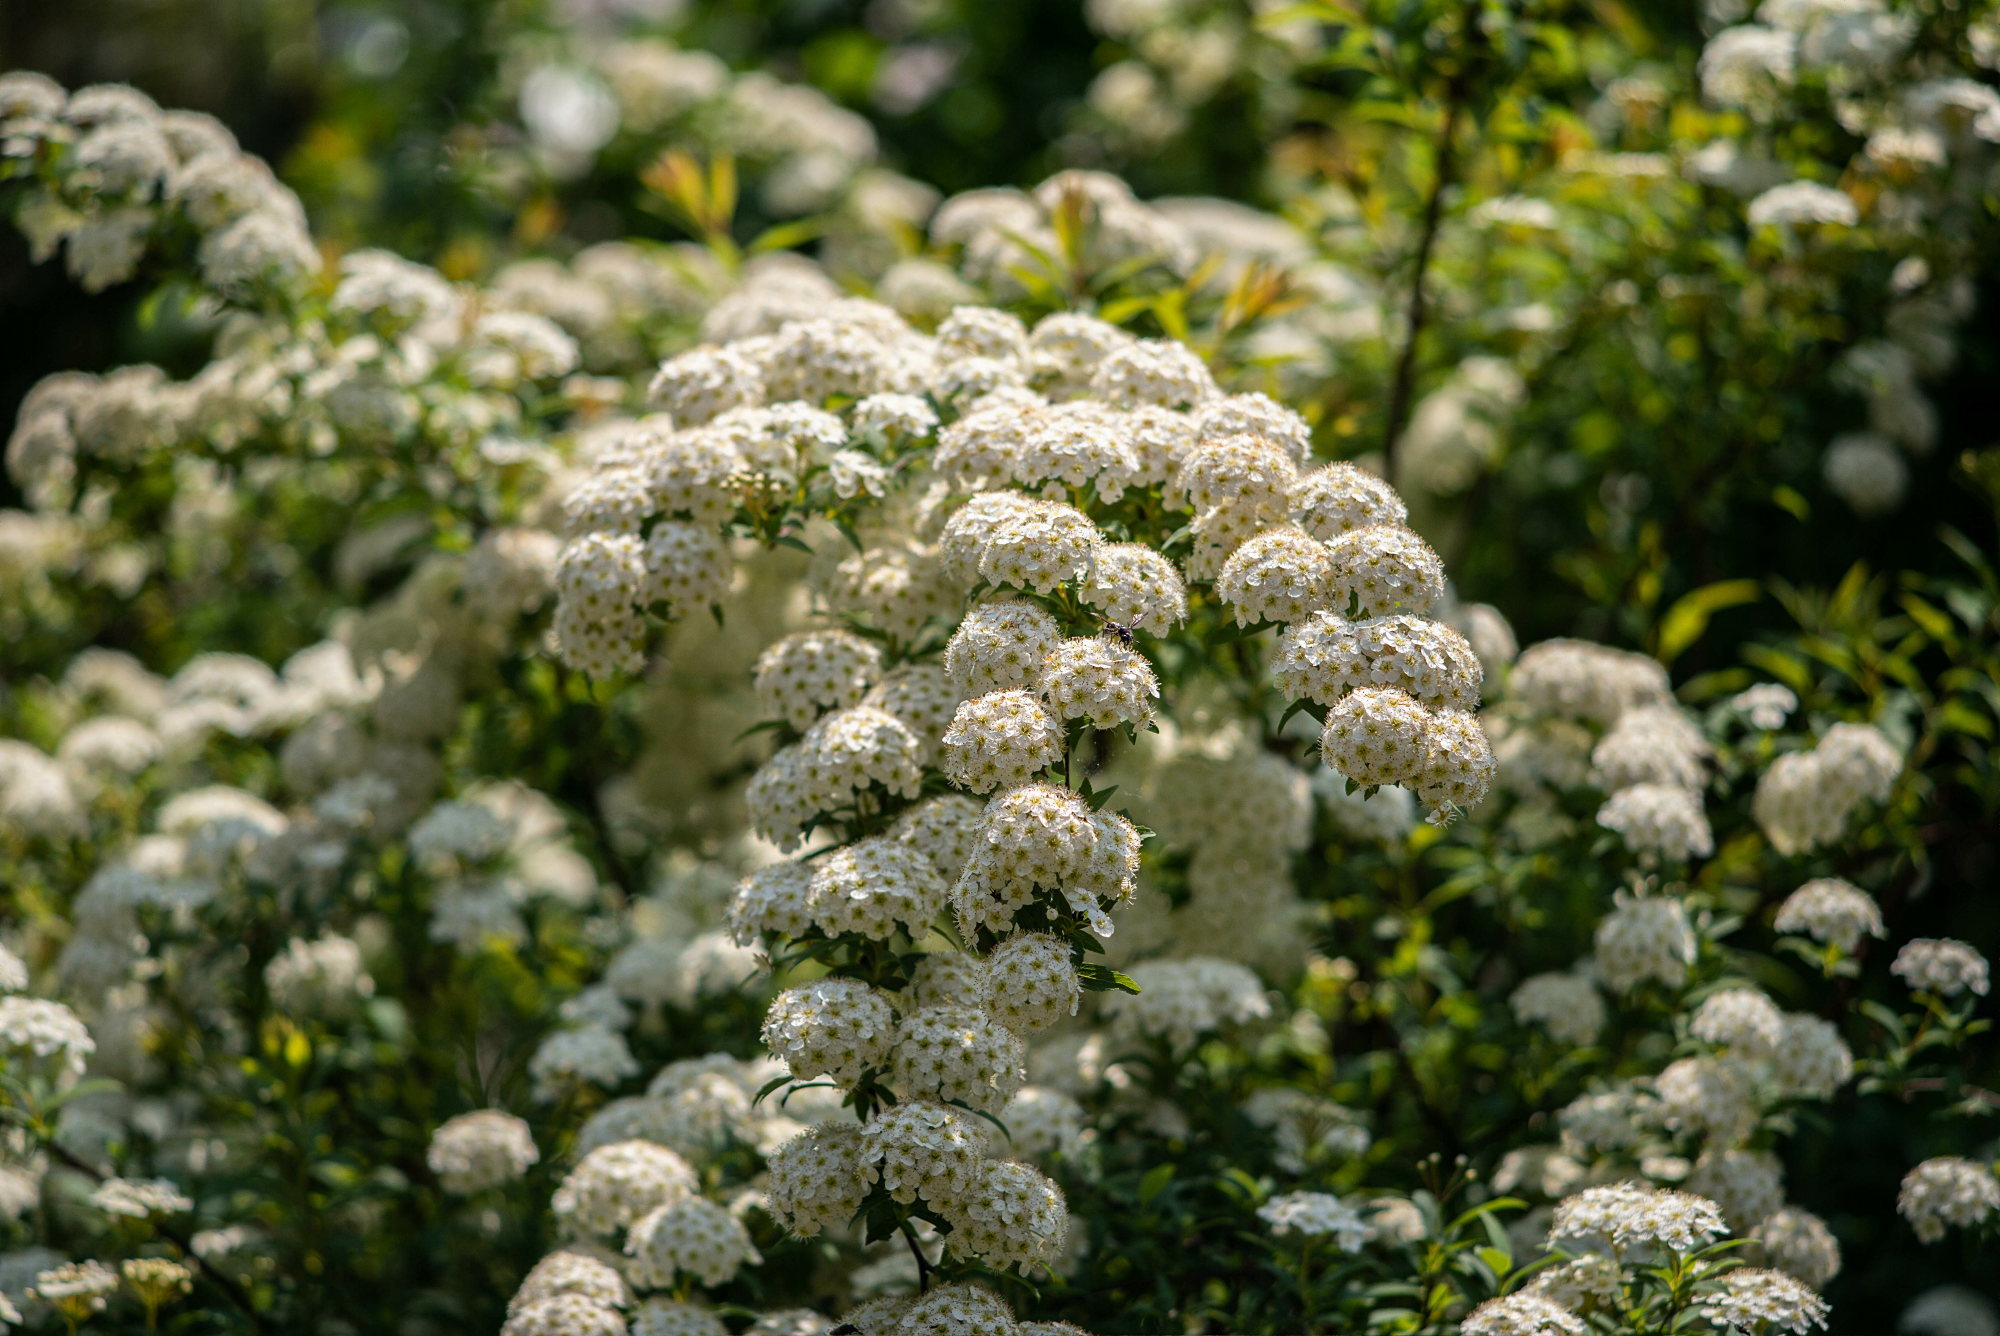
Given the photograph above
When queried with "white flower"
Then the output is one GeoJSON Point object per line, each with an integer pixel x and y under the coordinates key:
{"type": "Point", "coordinates": [1798, 202]}
{"type": "Point", "coordinates": [1315, 1215]}
{"type": "Point", "coordinates": [479, 1150]}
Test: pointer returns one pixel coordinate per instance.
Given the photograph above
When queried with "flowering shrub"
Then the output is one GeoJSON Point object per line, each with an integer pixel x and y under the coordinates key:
{"type": "Point", "coordinates": [705, 788]}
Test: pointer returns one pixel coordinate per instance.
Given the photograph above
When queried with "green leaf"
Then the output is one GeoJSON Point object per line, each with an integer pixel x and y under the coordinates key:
{"type": "Point", "coordinates": [766, 726]}
{"type": "Point", "coordinates": [1155, 1182]}
{"type": "Point", "coordinates": [788, 236]}
{"type": "Point", "coordinates": [1935, 622]}
{"type": "Point", "coordinates": [1498, 1259]}
{"type": "Point", "coordinates": [1688, 617]}
{"type": "Point", "coordinates": [1294, 708]}
{"type": "Point", "coordinates": [1103, 979]}
{"type": "Point", "coordinates": [1791, 502]}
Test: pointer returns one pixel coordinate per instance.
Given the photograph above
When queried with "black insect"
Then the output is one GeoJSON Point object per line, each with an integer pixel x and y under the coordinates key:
{"type": "Point", "coordinates": [1118, 631]}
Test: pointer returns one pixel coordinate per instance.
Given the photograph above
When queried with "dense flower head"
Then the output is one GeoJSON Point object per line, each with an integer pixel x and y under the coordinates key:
{"type": "Point", "coordinates": [1000, 739]}
{"type": "Point", "coordinates": [1045, 837]}
{"type": "Point", "coordinates": [1645, 937]}
{"type": "Point", "coordinates": [775, 899]}
{"type": "Point", "coordinates": [1659, 821]}
{"type": "Point", "coordinates": [1319, 659]}
{"type": "Point", "coordinates": [1522, 1314]}
{"type": "Point", "coordinates": [1811, 1060]}
{"type": "Point", "coordinates": [585, 1054]}
{"type": "Point", "coordinates": [1798, 1243]}
{"type": "Point", "coordinates": [1038, 546]}
{"type": "Point", "coordinates": [691, 1236]}
{"type": "Point", "coordinates": [831, 1027]}
{"type": "Point", "coordinates": [1942, 965]}
{"type": "Point", "coordinates": [957, 1054]}
{"type": "Point", "coordinates": [1830, 910]}
{"type": "Point", "coordinates": [1948, 1191]}
{"type": "Point", "coordinates": [1157, 372]}
{"type": "Point", "coordinates": [565, 1315]}
{"type": "Point", "coordinates": [999, 646]}
{"type": "Point", "coordinates": [1254, 414]}
{"type": "Point", "coordinates": [1099, 681]}
{"type": "Point", "coordinates": [1338, 498]}
{"type": "Point", "coordinates": [45, 1030]}
{"type": "Point", "coordinates": [701, 384]}
{"type": "Point", "coordinates": [1077, 446]}
{"type": "Point", "coordinates": [616, 1184]}
{"type": "Point", "coordinates": [1627, 1215]}
{"type": "Point", "coordinates": [1247, 473]}
{"type": "Point", "coordinates": [950, 1309]}
{"type": "Point", "coordinates": [1315, 1215]}
{"type": "Point", "coordinates": [1041, 1121]}
{"type": "Point", "coordinates": [1709, 1096]}
{"type": "Point", "coordinates": [1650, 744]}
{"type": "Point", "coordinates": [818, 1178]}
{"type": "Point", "coordinates": [1806, 799]}
{"type": "Point", "coordinates": [1384, 569]}
{"type": "Point", "coordinates": [1566, 1005]}
{"type": "Point", "coordinates": [1742, 1019]}
{"type": "Point", "coordinates": [1759, 1300]}
{"type": "Point", "coordinates": [661, 1316]}
{"type": "Point", "coordinates": [810, 672]}
{"type": "Point", "coordinates": [1580, 680]}
{"type": "Point", "coordinates": [1031, 981]}
{"type": "Point", "coordinates": [1377, 735]}
{"type": "Point", "coordinates": [1013, 1217]}
{"type": "Point", "coordinates": [1135, 587]}
{"type": "Point", "coordinates": [928, 1150]}
{"type": "Point", "coordinates": [873, 887]}
{"type": "Point", "coordinates": [1182, 1000]}
{"type": "Point", "coordinates": [1457, 767]}
{"type": "Point", "coordinates": [844, 755]}
{"type": "Point", "coordinates": [1282, 575]}
{"type": "Point", "coordinates": [687, 566]}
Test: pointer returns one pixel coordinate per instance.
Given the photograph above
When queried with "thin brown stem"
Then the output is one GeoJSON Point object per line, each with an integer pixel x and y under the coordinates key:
{"type": "Point", "coordinates": [1445, 168]}
{"type": "Point", "coordinates": [923, 1264]}
{"type": "Point", "coordinates": [230, 1289]}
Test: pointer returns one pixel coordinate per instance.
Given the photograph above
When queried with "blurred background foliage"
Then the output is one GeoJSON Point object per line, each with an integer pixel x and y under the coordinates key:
{"type": "Point", "coordinates": [1667, 433]}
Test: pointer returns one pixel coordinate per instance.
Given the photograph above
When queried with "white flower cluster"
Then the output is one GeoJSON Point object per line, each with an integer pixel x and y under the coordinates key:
{"type": "Point", "coordinates": [1806, 799]}
{"type": "Point", "coordinates": [1833, 911]}
{"type": "Point", "coordinates": [1948, 1191]}
{"type": "Point", "coordinates": [1649, 758]}
{"type": "Point", "coordinates": [1626, 1215]}
{"type": "Point", "coordinates": [1243, 814]}
{"type": "Point", "coordinates": [1316, 1215]}
{"type": "Point", "coordinates": [481, 1150]}
{"type": "Point", "coordinates": [1915, 129]}
{"type": "Point", "coordinates": [640, 1223]}
{"type": "Point", "coordinates": [1944, 966]}
{"type": "Point", "coordinates": [113, 168]}
{"type": "Point", "coordinates": [1180, 1001]}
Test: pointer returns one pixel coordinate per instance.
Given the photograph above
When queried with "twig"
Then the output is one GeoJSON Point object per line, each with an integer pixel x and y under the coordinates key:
{"type": "Point", "coordinates": [230, 1289]}
{"type": "Point", "coordinates": [923, 1265]}
{"type": "Point", "coordinates": [1446, 165]}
